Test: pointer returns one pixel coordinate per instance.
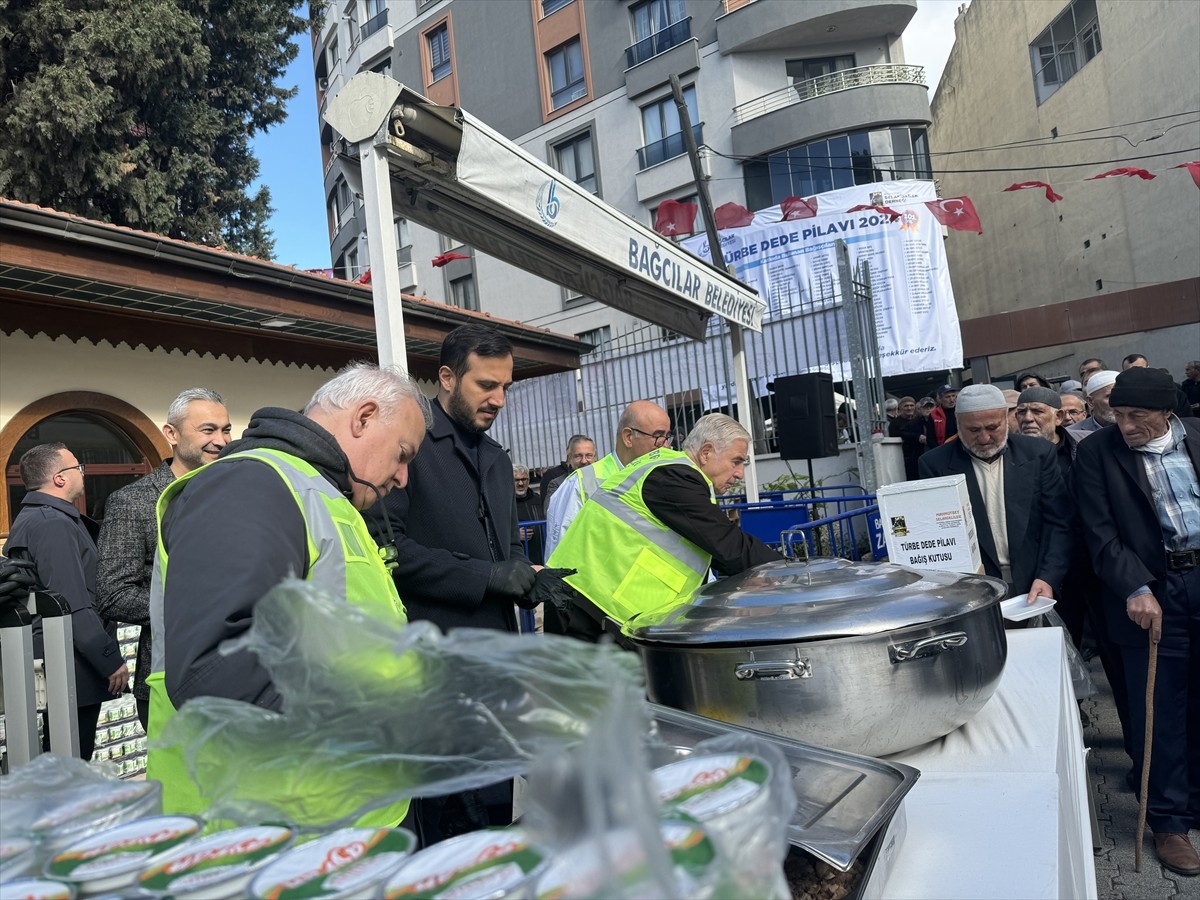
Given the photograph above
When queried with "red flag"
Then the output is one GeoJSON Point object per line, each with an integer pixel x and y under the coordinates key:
{"type": "Point", "coordinates": [732, 215]}
{"type": "Point", "coordinates": [1022, 185]}
{"type": "Point", "coordinates": [1126, 170]}
{"type": "Point", "coordinates": [882, 210]}
{"type": "Point", "coordinates": [798, 208]}
{"type": "Point", "coordinates": [674, 218]}
{"type": "Point", "coordinates": [364, 278]}
{"type": "Point", "coordinates": [447, 258]}
{"type": "Point", "coordinates": [957, 213]}
{"type": "Point", "coordinates": [1194, 168]}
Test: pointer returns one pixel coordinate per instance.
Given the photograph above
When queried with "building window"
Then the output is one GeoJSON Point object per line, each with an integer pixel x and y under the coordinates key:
{"type": "Point", "coordinates": [462, 293]}
{"type": "Point", "coordinates": [403, 241]}
{"type": "Point", "coordinates": [807, 69]}
{"type": "Point", "coordinates": [1071, 41]}
{"type": "Point", "coordinates": [549, 6]}
{"type": "Point", "coordinates": [384, 68]}
{"type": "Point", "coordinates": [332, 55]}
{"type": "Point", "coordinates": [352, 264]}
{"type": "Point", "coordinates": [341, 203]}
{"type": "Point", "coordinates": [859, 157]}
{"type": "Point", "coordinates": [576, 159]}
{"type": "Point", "coordinates": [377, 17]}
{"type": "Point", "coordinates": [660, 127]}
{"type": "Point", "coordinates": [658, 25]}
{"type": "Point", "coordinates": [565, 65]}
{"type": "Point", "coordinates": [599, 338]}
{"type": "Point", "coordinates": [439, 52]}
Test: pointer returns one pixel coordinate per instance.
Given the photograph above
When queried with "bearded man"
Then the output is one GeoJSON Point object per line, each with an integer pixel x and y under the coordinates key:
{"type": "Point", "coordinates": [1018, 497]}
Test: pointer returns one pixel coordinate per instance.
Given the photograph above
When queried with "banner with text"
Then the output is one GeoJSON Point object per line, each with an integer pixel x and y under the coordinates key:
{"type": "Point", "coordinates": [793, 267]}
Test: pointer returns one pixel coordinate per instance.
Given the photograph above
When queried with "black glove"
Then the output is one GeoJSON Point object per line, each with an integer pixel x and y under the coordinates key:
{"type": "Point", "coordinates": [510, 578]}
{"type": "Point", "coordinates": [548, 586]}
{"type": "Point", "coordinates": [16, 580]}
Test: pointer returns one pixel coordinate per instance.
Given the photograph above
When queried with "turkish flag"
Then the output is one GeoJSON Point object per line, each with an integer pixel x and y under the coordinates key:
{"type": "Point", "coordinates": [1125, 170]}
{"type": "Point", "coordinates": [1194, 168]}
{"type": "Point", "coordinates": [883, 210]}
{"type": "Point", "coordinates": [798, 208]}
{"type": "Point", "coordinates": [446, 258]}
{"type": "Point", "coordinates": [732, 215]}
{"type": "Point", "coordinates": [957, 213]}
{"type": "Point", "coordinates": [674, 218]}
{"type": "Point", "coordinates": [1022, 185]}
{"type": "Point", "coordinates": [364, 278]}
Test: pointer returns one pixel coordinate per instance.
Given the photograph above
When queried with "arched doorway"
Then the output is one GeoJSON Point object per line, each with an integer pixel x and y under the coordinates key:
{"type": "Point", "coordinates": [116, 442]}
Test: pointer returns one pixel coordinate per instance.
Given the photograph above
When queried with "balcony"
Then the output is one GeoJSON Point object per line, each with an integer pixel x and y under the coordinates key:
{"type": "Point", "coordinates": [852, 99]}
{"type": "Point", "coordinates": [669, 147]}
{"type": "Point", "coordinates": [657, 71]}
{"type": "Point", "coordinates": [659, 42]}
{"type": "Point", "coordinates": [845, 80]}
{"type": "Point", "coordinates": [776, 24]}
{"type": "Point", "coordinates": [374, 23]}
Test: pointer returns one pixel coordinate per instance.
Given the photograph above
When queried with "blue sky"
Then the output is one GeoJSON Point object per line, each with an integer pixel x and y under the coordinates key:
{"type": "Point", "coordinates": [290, 154]}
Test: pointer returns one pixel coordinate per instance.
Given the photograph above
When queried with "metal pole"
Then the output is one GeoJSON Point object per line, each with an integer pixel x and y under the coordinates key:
{"type": "Point", "coordinates": [381, 243]}
{"type": "Point", "coordinates": [861, 378]}
{"type": "Point", "coordinates": [741, 379]}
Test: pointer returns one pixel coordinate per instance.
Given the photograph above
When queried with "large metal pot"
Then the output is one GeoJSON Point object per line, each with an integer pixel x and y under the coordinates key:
{"type": "Point", "coordinates": [866, 657]}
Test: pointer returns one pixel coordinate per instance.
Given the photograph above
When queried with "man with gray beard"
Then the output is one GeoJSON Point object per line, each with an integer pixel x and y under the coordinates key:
{"type": "Point", "coordinates": [1018, 497]}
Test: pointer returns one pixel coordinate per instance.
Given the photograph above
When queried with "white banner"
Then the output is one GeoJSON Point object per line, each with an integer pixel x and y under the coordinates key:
{"type": "Point", "coordinates": [793, 266]}
{"type": "Point", "coordinates": [506, 175]}
{"type": "Point", "coordinates": [880, 193]}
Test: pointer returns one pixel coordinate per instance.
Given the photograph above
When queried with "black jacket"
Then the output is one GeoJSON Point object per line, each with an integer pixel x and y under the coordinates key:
{"type": "Point", "coordinates": [59, 540]}
{"type": "Point", "coordinates": [231, 535]}
{"type": "Point", "coordinates": [453, 520]}
{"type": "Point", "coordinates": [1037, 508]}
{"type": "Point", "coordinates": [127, 544]}
{"type": "Point", "coordinates": [1119, 521]}
{"type": "Point", "coordinates": [910, 432]}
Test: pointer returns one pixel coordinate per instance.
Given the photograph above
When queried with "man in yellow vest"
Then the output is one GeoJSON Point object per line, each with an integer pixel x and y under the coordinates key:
{"type": "Point", "coordinates": [644, 426]}
{"type": "Point", "coordinates": [645, 540]}
{"type": "Point", "coordinates": [283, 501]}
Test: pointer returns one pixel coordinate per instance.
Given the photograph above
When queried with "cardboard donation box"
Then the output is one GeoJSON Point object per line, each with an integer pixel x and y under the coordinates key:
{"type": "Point", "coordinates": [928, 524]}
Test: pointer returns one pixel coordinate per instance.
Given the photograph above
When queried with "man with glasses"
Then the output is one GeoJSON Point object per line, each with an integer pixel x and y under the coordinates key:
{"type": "Point", "coordinates": [60, 541]}
{"type": "Point", "coordinates": [644, 426]}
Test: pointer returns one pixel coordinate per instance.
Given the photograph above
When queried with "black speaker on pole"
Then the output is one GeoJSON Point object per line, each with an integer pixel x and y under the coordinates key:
{"type": "Point", "coordinates": [805, 418]}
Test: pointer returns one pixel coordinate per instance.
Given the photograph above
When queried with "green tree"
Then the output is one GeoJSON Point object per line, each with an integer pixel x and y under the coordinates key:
{"type": "Point", "coordinates": [140, 112]}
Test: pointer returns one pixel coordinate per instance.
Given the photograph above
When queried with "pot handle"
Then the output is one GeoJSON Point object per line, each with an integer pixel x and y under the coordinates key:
{"type": "Point", "coordinates": [930, 646]}
{"type": "Point", "coordinates": [773, 670]}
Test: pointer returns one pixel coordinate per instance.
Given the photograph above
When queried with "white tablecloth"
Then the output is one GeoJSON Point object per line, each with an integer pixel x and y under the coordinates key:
{"type": "Point", "coordinates": [1001, 806]}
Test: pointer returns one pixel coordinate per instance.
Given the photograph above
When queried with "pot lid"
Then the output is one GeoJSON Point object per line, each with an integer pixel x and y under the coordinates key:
{"type": "Point", "coordinates": [817, 599]}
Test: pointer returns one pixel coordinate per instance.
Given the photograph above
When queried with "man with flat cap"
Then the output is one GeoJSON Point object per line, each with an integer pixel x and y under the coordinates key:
{"type": "Point", "coordinates": [1021, 506]}
{"type": "Point", "coordinates": [1039, 414]}
{"type": "Point", "coordinates": [1138, 489]}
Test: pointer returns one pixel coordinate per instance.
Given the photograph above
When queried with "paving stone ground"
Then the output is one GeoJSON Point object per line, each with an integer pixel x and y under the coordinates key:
{"type": "Point", "coordinates": [1117, 810]}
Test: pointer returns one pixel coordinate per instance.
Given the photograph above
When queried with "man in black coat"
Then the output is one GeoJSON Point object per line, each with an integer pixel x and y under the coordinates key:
{"type": "Point", "coordinates": [1138, 488]}
{"type": "Point", "coordinates": [1020, 503]}
{"type": "Point", "coordinates": [51, 532]}
{"type": "Point", "coordinates": [460, 561]}
{"type": "Point", "coordinates": [455, 525]}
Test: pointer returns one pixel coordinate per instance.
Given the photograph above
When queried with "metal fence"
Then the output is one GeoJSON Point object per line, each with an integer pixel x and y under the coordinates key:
{"type": "Point", "coordinates": [807, 328]}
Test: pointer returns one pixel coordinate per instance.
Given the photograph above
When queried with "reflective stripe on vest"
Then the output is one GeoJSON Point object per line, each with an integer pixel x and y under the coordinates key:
{"type": "Point", "coordinates": [342, 561]}
{"type": "Point", "coordinates": [591, 477]}
{"type": "Point", "coordinates": [629, 563]}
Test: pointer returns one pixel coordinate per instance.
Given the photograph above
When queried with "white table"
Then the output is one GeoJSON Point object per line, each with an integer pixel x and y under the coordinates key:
{"type": "Point", "coordinates": [1000, 810]}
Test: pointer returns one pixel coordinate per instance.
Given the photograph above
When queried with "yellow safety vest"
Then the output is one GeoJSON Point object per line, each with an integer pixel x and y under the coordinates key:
{"type": "Point", "coordinates": [629, 563]}
{"type": "Point", "coordinates": [344, 562]}
{"type": "Point", "coordinates": [591, 477]}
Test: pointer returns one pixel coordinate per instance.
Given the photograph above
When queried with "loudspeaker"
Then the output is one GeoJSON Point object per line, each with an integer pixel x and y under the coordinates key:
{"type": "Point", "coordinates": [805, 418]}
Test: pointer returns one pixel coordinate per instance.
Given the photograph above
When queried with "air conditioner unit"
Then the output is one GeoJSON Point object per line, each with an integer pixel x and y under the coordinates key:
{"type": "Point", "coordinates": [322, 84]}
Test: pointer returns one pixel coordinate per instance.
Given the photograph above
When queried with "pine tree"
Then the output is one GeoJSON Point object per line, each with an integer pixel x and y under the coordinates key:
{"type": "Point", "coordinates": [140, 112]}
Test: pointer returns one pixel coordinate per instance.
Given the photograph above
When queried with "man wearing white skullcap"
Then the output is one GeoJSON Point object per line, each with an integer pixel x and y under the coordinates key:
{"type": "Point", "coordinates": [1018, 497]}
{"type": "Point", "coordinates": [1098, 387]}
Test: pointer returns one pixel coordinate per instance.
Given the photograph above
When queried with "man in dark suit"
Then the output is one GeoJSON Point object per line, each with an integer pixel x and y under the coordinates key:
{"type": "Point", "coordinates": [1020, 503]}
{"type": "Point", "coordinates": [1138, 488]}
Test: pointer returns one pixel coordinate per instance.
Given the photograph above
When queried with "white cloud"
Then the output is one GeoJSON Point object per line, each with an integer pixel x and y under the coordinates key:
{"type": "Point", "coordinates": [929, 37]}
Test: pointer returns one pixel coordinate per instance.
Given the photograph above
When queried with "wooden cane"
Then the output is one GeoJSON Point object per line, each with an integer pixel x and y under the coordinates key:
{"type": "Point", "coordinates": [1147, 744]}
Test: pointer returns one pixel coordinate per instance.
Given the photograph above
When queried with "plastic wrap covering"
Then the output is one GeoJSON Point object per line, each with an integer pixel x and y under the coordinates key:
{"type": "Point", "coordinates": [598, 810]}
{"type": "Point", "coordinates": [374, 714]}
{"type": "Point", "coordinates": [56, 800]}
{"type": "Point", "coordinates": [1081, 678]}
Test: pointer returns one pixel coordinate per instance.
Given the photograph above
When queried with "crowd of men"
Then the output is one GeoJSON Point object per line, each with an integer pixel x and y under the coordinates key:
{"type": "Point", "coordinates": [1088, 494]}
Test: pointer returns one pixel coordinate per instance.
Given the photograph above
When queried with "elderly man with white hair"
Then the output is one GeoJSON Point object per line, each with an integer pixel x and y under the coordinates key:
{"type": "Point", "coordinates": [645, 540]}
{"type": "Point", "coordinates": [284, 501]}
{"type": "Point", "coordinates": [1018, 497]}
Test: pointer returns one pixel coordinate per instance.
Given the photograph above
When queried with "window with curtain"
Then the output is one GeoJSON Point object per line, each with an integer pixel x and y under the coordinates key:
{"type": "Point", "coordinates": [565, 66]}
{"type": "Point", "coordinates": [576, 159]}
{"type": "Point", "coordinates": [439, 52]}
